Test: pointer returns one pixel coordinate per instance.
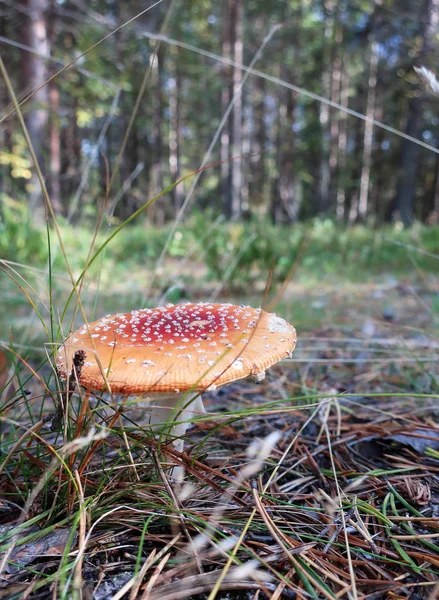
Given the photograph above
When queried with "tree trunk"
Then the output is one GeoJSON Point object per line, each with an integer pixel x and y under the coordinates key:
{"type": "Point", "coordinates": [71, 156]}
{"type": "Point", "coordinates": [368, 133]}
{"type": "Point", "coordinates": [156, 182]}
{"type": "Point", "coordinates": [355, 175]}
{"type": "Point", "coordinates": [257, 159]}
{"type": "Point", "coordinates": [342, 143]}
{"type": "Point", "coordinates": [379, 190]}
{"type": "Point", "coordinates": [175, 127]}
{"type": "Point", "coordinates": [325, 169]}
{"type": "Point", "coordinates": [236, 164]}
{"type": "Point", "coordinates": [246, 145]}
{"type": "Point", "coordinates": [405, 194]}
{"type": "Point", "coordinates": [435, 214]}
{"type": "Point", "coordinates": [34, 33]}
{"type": "Point", "coordinates": [276, 210]}
{"type": "Point", "coordinates": [6, 129]}
{"type": "Point", "coordinates": [54, 124]}
{"type": "Point", "coordinates": [226, 96]}
{"type": "Point", "coordinates": [334, 114]}
{"type": "Point", "coordinates": [286, 181]}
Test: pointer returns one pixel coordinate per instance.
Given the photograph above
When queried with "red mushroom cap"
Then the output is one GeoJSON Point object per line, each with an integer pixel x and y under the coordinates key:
{"type": "Point", "coordinates": [177, 348]}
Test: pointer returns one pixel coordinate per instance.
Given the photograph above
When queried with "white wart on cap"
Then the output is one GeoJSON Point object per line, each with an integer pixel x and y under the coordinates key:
{"type": "Point", "coordinates": [177, 348]}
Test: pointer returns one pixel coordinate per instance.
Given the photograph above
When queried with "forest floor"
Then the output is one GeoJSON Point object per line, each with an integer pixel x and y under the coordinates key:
{"type": "Point", "coordinates": [321, 482]}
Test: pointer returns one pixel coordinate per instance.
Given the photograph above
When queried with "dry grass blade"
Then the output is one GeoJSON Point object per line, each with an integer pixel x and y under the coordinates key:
{"type": "Point", "coordinates": [77, 577]}
{"type": "Point", "coordinates": [150, 585]}
{"type": "Point", "coordinates": [137, 581]}
{"type": "Point", "coordinates": [190, 587]}
{"type": "Point", "coordinates": [297, 548]}
{"type": "Point", "coordinates": [176, 506]}
{"type": "Point", "coordinates": [334, 470]}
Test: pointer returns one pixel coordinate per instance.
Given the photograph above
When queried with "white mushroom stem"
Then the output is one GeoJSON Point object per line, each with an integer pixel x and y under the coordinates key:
{"type": "Point", "coordinates": [177, 408]}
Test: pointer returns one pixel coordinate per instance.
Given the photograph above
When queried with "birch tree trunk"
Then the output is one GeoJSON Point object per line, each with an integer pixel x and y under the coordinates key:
{"type": "Point", "coordinates": [175, 136]}
{"type": "Point", "coordinates": [236, 164]}
{"type": "Point", "coordinates": [342, 143]}
{"type": "Point", "coordinates": [156, 182]}
{"type": "Point", "coordinates": [334, 114]}
{"type": "Point", "coordinates": [226, 96]}
{"type": "Point", "coordinates": [368, 133]}
{"type": "Point", "coordinates": [325, 169]}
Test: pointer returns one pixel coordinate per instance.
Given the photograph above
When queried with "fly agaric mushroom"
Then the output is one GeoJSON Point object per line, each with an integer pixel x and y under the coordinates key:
{"type": "Point", "coordinates": [166, 353]}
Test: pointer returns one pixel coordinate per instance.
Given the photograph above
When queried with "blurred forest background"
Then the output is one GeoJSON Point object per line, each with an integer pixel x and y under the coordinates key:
{"type": "Point", "coordinates": [282, 152]}
{"type": "Point", "coordinates": [317, 138]}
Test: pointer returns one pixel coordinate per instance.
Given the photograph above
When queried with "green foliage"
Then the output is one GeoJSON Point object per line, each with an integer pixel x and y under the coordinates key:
{"type": "Point", "coordinates": [20, 240]}
{"type": "Point", "coordinates": [17, 160]}
{"type": "Point", "coordinates": [240, 254]}
{"type": "Point", "coordinates": [320, 248]}
{"type": "Point", "coordinates": [144, 243]}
